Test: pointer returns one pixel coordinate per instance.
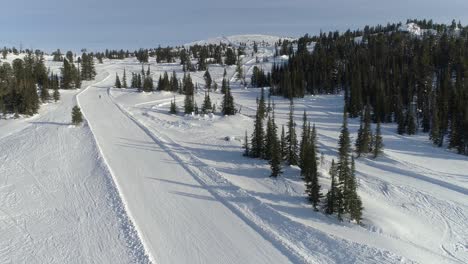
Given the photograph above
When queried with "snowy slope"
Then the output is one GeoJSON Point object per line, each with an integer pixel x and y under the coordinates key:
{"type": "Point", "coordinates": [414, 208]}
{"type": "Point", "coordinates": [58, 203]}
{"type": "Point", "coordinates": [179, 219]}
{"type": "Point", "coordinates": [193, 198]}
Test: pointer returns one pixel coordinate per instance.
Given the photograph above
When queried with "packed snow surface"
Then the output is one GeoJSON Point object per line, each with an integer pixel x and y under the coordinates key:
{"type": "Point", "coordinates": [137, 184]}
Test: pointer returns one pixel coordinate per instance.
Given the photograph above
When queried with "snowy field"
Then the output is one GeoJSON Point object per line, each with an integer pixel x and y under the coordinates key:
{"type": "Point", "coordinates": [137, 184]}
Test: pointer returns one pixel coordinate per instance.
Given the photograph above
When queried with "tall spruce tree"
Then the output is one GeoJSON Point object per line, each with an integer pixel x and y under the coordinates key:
{"type": "Point", "coordinates": [275, 149]}
{"type": "Point", "coordinates": [333, 194]}
{"type": "Point", "coordinates": [304, 143]}
{"type": "Point", "coordinates": [364, 138]}
{"type": "Point", "coordinates": [343, 168]}
{"type": "Point", "coordinates": [228, 103]}
{"type": "Point", "coordinates": [261, 104]}
{"type": "Point", "coordinates": [117, 84]}
{"type": "Point", "coordinates": [124, 79]}
{"type": "Point", "coordinates": [246, 145]}
{"type": "Point", "coordinates": [353, 201]}
{"type": "Point", "coordinates": [257, 142]}
{"type": "Point", "coordinates": [189, 102]}
{"type": "Point", "coordinates": [173, 108]}
{"type": "Point", "coordinates": [310, 170]}
{"type": "Point", "coordinates": [291, 137]}
{"type": "Point", "coordinates": [208, 80]}
{"type": "Point", "coordinates": [207, 106]}
{"type": "Point", "coordinates": [283, 144]}
{"type": "Point", "coordinates": [378, 141]}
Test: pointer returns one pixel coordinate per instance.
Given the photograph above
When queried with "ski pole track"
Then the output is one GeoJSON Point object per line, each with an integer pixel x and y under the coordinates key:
{"type": "Point", "coordinates": [261, 217]}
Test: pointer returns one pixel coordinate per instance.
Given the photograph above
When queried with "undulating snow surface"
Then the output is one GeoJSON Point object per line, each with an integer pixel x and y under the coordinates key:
{"type": "Point", "coordinates": [181, 183]}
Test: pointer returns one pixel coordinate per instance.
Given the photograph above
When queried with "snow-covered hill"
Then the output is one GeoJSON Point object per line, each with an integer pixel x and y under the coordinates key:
{"type": "Point", "coordinates": [137, 184]}
{"type": "Point", "coordinates": [235, 40]}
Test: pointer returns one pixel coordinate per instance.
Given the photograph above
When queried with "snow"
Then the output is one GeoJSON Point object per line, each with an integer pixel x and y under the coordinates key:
{"type": "Point", "coordinates": [412, 28]}
{"type": "Point", "coordinates": [415, 30]}
{"type": "Point", "coordinates": [236, 40]}
{"type": "Point", "coordinates": [137, 184]}
{"type": "Point", "coordinates": [58, 204]}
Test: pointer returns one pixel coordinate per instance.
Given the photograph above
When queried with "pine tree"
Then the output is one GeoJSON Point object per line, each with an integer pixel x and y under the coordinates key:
{"type": "Point", "coordinates": [275, 162]}
{"type": "Point", "coordinates": [310, 169]}
{"type": "Point", "coordinates": [291, 138]}
{"type": "Point", "coordinates": [173, 109]}
{"type": "Point", "coordinates": [56, 94]}
{"type": "Point", "coordinates": [401, 123]}
{"type": "Point", "coordinates": [304, 143]}
{"type": "Point", "coordinates": [188, 88]}
{"type": "Point", "coordinates": [239, 71]}
{"type": "Point", "coordinates": [77, 117]}
{"type": "Point", "coordinates": [124, 80]}
{"type": "Point", "coordinates": [258, 141]}
{"type": "Point", "coordinates": [275, 151]}
{"type": "Point", "coordinates": [269, 138]}
{"type": "Point", "coordinates": [188, 104]}
{"type": "Point", "coordinates": [148, 84]}
{"type": "Point", "coordinates": [364, 138]}
{"type": "Point", "coordinates": [411, 124]}
{"type": "Point", "coordinates": [208, 81]}
{"type": "Point", "coordinates": [378, 141]}
{"type": "Point", "coordinates": [283, 144]}
{"type": "Point", "coordinates": [246, 145]}
{"type": "Point", "coordinates": [435, 129]}
{"type": "Point", "coordinates": [333, 194]}
{"type": "Point", "coordinates": [45, 95]}
{"type": "Point", "coordinates": [354, 202]}
{"type": "Point", "coordinates": [228, 103]}
{"type": "Point", "coordinates": [224, 86]}
{"type": "Point", "coordinates": [174, 83]}
{"type": "Point", "coordinates": [88, 71]}
{"type": "Point", "coordinates": [343, 168]}
{"type": "Point", "coordinates": [206, 107]}
{"type": "Point", "coordinates": [261, 104]}
{"type": "Point", "coordinates": [117, 81]}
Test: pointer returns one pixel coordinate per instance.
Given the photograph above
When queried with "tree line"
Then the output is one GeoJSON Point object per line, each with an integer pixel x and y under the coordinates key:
{"type": "Point", "coordinates": [419, 82]}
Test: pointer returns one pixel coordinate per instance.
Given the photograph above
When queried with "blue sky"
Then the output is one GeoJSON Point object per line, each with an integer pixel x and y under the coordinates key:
{"type": "Point", "coordinates": [100, 24]}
